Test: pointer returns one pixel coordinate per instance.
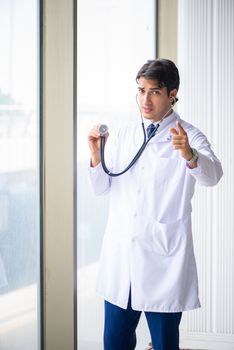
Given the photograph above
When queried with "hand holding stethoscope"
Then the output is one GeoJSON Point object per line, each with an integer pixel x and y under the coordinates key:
{"type": "Point", "coordinates": [94, 141]}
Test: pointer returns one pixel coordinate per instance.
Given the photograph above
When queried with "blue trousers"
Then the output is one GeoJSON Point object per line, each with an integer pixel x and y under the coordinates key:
{"type": "Point", "coordinates": [120, 328]}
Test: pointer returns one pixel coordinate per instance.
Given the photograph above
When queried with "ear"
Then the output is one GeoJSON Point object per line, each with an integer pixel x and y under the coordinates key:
{"type": "Point", "coordinates": [173, 97]}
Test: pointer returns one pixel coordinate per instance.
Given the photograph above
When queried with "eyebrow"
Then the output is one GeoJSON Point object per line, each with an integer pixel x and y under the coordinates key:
{"type": "Point", "coordinates": [151, 89]}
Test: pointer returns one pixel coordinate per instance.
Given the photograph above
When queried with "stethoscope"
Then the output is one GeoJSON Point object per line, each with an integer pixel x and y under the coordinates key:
{"type": "Point", "coordinates": [103, 129]}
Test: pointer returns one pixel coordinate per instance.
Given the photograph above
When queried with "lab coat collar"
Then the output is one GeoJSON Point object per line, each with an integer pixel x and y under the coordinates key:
{"type": "Point", "coordinates": [163, 133]}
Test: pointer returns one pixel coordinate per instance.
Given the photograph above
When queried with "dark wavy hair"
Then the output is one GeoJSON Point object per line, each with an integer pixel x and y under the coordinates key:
{"type": "Point", "coordinates": [163, 71]}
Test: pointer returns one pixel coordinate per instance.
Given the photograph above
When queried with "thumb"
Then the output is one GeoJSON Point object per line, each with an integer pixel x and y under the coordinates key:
{"type": "Point", "coordinates": [173, 131]}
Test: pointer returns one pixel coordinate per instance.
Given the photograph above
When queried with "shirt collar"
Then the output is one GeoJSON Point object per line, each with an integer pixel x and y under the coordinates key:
{"type": "Point", "coordinates": [163, 124]}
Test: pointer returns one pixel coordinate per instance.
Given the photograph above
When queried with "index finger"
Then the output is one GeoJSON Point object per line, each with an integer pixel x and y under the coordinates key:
{"type": "Point", "coordinates": [181, 129]}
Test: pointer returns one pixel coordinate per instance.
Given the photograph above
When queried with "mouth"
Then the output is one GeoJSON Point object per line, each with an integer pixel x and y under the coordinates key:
{"type": "Point", "coordinates": [147, 110]}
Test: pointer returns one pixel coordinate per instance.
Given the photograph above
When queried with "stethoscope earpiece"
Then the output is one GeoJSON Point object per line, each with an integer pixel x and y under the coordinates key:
{"type": "Point", "coordinates": [174, 100]}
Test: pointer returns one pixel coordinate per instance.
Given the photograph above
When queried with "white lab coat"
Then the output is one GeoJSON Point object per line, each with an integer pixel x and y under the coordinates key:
{"type": "Point", "coordinates": [148, 240]}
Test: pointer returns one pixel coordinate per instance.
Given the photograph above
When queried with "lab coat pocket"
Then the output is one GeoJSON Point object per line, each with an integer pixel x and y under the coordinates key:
{"type": "Point", "coordinates": [167, 171]}
{"type": "Point", "coordinates": [170, 238]}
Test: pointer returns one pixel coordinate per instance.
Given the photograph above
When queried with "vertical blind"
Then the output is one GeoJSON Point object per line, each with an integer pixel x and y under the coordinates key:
{"type": "Point", "coordinates": [205, 61]}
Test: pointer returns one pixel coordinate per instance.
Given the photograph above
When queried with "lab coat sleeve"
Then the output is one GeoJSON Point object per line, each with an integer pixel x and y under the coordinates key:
{"type": "Point", "coordinates": [209, 170]}
{"type": "Point", "coordinates": [100, 181]}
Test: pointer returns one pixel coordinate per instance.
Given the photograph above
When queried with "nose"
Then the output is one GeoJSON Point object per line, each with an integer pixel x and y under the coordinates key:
{"type": "Point", "coordinates": [147, 98]}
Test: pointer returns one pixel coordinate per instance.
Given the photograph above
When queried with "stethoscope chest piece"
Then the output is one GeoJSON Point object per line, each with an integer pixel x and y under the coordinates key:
{"type": "Point", "coordinates": [103, 129]}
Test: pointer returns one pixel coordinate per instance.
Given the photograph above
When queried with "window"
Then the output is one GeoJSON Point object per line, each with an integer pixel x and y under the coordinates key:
{"type": "Point", "coordinates": [115, 38]}
{"type": "Point", "coordinates": [19, 175]}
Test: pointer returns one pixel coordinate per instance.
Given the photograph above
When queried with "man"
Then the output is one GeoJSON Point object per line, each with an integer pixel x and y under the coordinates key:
{"type": "Point", "coordinates": [147, 261]}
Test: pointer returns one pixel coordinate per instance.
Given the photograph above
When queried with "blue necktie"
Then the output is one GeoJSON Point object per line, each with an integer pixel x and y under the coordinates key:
{"type": "Point", "coordinates": [150, 130]}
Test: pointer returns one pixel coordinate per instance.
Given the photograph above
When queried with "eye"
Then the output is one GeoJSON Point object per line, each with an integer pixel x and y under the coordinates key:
{"type": "Point", "coordinates": [141, 91]}
{"type": "Point", "coordinates": [155, 92]}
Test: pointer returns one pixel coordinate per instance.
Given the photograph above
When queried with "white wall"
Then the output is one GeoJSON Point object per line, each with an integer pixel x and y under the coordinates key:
{"type": "Point", "coordinates": [205, 60]}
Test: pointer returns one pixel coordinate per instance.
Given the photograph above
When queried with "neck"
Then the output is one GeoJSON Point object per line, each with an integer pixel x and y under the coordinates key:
{"type": "Point", "coordinates": [168, 113]}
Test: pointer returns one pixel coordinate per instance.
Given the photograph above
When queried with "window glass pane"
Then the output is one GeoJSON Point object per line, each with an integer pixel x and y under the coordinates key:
{"type": "Point", "coordinates": [115, 38]}
{"type": "Point", "coordinates": [19, 189]}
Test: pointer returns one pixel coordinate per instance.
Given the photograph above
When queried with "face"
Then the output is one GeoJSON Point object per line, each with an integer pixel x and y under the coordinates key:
{"type": "Point", "coordinates": [154, 101]}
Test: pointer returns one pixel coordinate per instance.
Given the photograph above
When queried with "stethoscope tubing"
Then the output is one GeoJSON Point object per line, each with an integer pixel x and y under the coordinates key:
{"type": "Point", "coordinates": [136, 157]}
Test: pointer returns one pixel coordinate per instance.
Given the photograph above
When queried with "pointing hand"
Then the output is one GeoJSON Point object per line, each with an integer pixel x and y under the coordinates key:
{"type": "Point", "coordinates": [180, 141]}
